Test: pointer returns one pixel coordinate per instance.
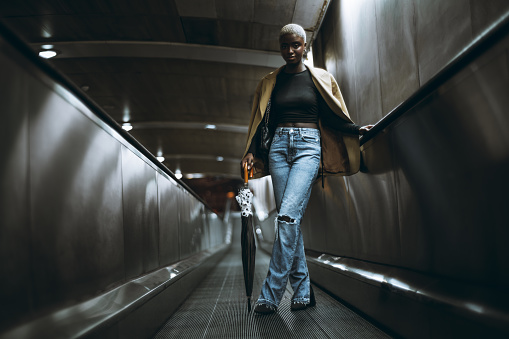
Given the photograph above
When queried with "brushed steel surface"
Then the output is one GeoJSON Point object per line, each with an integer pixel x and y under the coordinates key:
{"type": "Point", "coordinates": [432, 192]}
{"type": "Point", "coordinates": [443, 29]}
{"type": "Point", "coordinates": [169, 219]}
{"type": "Point", "coordinates": [397, 49]}
{"type": "Point", "coordinates": [140, 214]}
{"type": "Point", "coordinates": [14, 213]}
{"type": "Point", "coordinates": [217, 229]}
{"type": "Point", "coordinates": [484, 13]}
{"type": "Point", "coordinates": [344, 59]}
{"type": "Point", "coordinates": [79, 205]}
{"type": "Point", "coordinates": [366, 67]}
{"type": "Point", "coordinates": [190, 227]}
{"type": "Point", "coordinates": [128, 306]}
{"type": "Point", "coordinates": [410, 302]}
{"type": "Point", "coordinates": [374, 206]}
{"type": "Point", "coordinates": [75, 201]}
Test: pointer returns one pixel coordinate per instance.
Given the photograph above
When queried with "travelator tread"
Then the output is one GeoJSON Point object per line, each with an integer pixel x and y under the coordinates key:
{"type": "Point", "coordinates": [218, 309]}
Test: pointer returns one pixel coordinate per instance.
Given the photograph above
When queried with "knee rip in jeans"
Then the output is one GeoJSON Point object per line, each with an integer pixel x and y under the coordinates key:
{"type": "Point", "coordinates": [286, 219]}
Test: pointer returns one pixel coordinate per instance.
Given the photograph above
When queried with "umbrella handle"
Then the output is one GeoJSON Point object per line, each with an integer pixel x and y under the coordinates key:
{"type": "Point", "coordinates": [246, 175]}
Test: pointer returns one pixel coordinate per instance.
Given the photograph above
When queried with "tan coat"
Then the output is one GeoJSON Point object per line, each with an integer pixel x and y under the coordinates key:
{"type": "Point", "coordinates": [340, 152]}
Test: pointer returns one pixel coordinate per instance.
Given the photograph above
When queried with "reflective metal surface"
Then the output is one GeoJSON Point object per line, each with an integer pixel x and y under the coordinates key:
{"type": "Point", "coordinates": [443, 29]}
{"type": "Point", "coordinates": [429, 179]}
{"type": "Point", "coordinates": [82, 210]}
{"type": "Point", "coordinates": [75, 201]}
{"type": "Point", "coordinates": [169, 215]}
{"type": "Point", "coordinates": [432, 196]}
{"type": "Point", "coordinates": [412, 302]}
{"type": "Point", "coordinates": [397, 47]}
{"type": "Point", "coordinates": [141, 219]}
{"type": "Point", "coordinates": [14, 217]}
{"type": "Point", "coordinates": [105, 310]}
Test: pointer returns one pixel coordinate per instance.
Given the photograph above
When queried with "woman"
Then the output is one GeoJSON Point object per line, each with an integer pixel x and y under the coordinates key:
{"type": "Point", "coordinates": [313, 133]}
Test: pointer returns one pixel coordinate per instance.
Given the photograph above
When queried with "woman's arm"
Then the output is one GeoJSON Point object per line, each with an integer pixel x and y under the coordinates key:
{"type": "Point", "coordinates": [331, 120]}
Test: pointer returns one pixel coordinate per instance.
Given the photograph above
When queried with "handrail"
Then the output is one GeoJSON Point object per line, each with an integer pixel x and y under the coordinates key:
{"type": "Point", "coordinates": [18, 43]}
{"type": "Point", "coordinates": [478, 46]}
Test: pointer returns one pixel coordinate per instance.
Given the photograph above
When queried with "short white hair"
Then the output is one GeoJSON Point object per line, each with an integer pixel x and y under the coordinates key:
{"type": "Point", "coordinates": [293, 29]}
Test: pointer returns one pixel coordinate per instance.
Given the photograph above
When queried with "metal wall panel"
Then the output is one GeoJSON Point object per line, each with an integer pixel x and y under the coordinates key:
{"type": "Point", "coordinates": [377, 226]}
{"type": "Point", "coordinates": [216, 229]}
{"type": "Point", "coordinates": [313, 226]}
{"type": "Point", "coordinates": [432, 193]}
{"type": "Point", "coordinates": [15, 284]}
{"type": "Point", "coordinates": [169, 219]}
{"type": "Point", "coordinates": [443, 30]}
{"type": "Point", "coordinates": [141, 215]}
{"type": "Point", "coordinates": [338, 236]}
{"type": "Point", "coordinates": [415, 242]}
{"type": "Point", "coordinates": [81, 210]}
{"type": "Point", "coordinates": [189, 230]}
{"type": "Point", "coordinates": [75, 200]}
{"type": "Point", "coordinates": [484, 13]}
{"type": "Point", "coordinates": [366, 66]}
{"type": "Point", "coordinates": [399, 76]}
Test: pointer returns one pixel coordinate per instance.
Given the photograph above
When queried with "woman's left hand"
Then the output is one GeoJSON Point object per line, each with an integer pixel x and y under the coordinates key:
{"type": "Point", "coordinates": [364, 129]}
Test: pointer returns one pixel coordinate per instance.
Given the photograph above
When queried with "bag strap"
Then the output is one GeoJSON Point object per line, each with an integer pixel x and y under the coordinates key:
{"type": "Point", "coordinates": [267, 112]}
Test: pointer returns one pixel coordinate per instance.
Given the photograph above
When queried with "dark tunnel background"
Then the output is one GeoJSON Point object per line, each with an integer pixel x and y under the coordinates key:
{"type": "Point", "coordinates": [93, 226]}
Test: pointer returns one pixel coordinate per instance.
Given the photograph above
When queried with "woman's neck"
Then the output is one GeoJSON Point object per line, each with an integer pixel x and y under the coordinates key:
{"type": "Point", "coordinates": [291, 68]}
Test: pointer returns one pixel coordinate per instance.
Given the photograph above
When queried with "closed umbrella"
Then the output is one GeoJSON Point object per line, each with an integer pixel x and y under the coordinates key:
{"type": "Point", "coordinates": [244, 198]}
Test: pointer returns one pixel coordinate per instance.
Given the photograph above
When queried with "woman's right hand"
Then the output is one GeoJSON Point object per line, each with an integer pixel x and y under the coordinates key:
{"type": "Point", "coordinates": [248, 160]}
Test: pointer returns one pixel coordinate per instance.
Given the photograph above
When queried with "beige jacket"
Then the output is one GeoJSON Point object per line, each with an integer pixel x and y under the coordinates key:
{"type": "Point", "coordinates": [340, 152]}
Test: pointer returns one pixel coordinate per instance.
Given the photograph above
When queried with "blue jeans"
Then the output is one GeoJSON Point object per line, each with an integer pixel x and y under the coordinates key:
{"type": "Point", "coordinates": [294, 160]}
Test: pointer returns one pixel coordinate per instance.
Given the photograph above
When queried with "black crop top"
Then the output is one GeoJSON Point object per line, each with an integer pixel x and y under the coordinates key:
{"type": "Point", "coordinates": [296, 99]}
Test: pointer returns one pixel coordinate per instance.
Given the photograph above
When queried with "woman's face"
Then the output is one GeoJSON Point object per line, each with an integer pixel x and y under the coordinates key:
{"type": "Point", "coordinates": [292, 48]}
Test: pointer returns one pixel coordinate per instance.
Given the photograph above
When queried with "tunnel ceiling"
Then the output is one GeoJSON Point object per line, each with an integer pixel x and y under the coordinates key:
{"type": "Point", "coordinates": [169, 67]}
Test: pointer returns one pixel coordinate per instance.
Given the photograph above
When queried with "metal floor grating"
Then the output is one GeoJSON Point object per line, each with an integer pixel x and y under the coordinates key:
{"type": "Point", "coordinates": [218, 309]}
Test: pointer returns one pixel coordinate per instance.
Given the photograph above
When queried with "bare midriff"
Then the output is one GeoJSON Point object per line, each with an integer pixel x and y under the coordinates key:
{"type": "Point", "coordinates": [298, 125]}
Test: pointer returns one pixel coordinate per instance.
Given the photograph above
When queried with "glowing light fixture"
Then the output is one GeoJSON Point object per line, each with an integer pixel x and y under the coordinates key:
{"type": "Point", "coordinates": [219, 158]}
{"type": "Point", "coordinates": [178, 174]}
{"type": "Point", "coordinates": [127, 126]}
{"type": "Point", "coordinates": [210, 126]}
{"type": "Point", "coordinates": [47, 54]}
{"type": "Point", "coordinates": [160, 158]}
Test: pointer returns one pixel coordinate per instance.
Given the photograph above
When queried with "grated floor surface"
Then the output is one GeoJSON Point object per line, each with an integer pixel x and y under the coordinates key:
{"type": "Point", "coordinates": [218, 309]}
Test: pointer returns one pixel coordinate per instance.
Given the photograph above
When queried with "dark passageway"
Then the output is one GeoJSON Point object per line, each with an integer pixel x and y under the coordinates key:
{"type": "Point", "coordinates": [119, 161]}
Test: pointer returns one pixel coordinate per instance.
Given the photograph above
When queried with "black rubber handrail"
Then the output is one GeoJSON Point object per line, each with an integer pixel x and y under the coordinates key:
{"type": "Point", "coordinates": [19, 44]}
{"type": "Point", "coordinates": [487, 39]}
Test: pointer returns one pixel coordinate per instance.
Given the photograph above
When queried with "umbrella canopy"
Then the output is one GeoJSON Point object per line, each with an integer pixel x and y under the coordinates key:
{"type": "Point", "coordinates": [244, 198]}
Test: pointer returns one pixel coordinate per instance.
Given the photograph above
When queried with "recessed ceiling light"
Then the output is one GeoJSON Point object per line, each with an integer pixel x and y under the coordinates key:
{"type": "Point", "coordinates": [160, 158]}
{"type": "Point", "coordinates": [47, 54]}
{"type": "Point", "coordinates": [127, 126]}
{"type": "Point", "coordinates": [178, 174]}
{"type": "Point", "coordinates": [219, 158]}
{"type": "Point", "coordinates": [210, 126]}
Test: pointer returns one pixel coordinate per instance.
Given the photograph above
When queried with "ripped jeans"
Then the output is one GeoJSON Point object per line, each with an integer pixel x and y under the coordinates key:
{"type": "Point", "coordinates": [294, 160]}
